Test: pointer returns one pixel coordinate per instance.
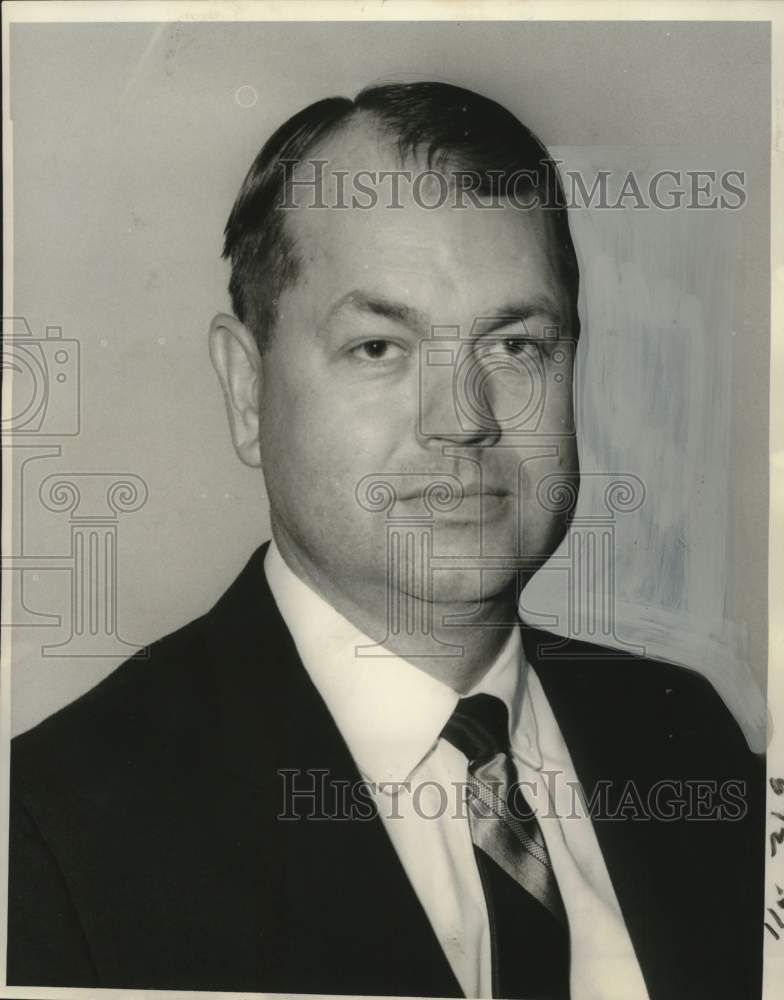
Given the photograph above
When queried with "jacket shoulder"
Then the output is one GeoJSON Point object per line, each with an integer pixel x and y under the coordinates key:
{"type": "Point", "coordinates": [154, 701]}
{"type": "Point", "coordinates": [641, 694]}
{"type": "Point", "coordinates": [133, 713]}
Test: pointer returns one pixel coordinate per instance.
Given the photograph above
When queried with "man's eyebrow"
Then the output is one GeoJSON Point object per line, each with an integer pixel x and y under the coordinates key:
{"type": "Point", "coordinates": [379, 305]}
{"type": "Point", "coordinates": [398, 312]}
{"type": "Point", "coordinates": [514, 312]}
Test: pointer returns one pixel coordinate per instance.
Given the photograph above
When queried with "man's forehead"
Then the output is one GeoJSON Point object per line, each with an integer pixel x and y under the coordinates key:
{"type": "Point", "coordinates": [360, 144]}
{"type": "Point", "coordinates": [356, 180]}
{"type": "Point", "coordinates": [400, 240]}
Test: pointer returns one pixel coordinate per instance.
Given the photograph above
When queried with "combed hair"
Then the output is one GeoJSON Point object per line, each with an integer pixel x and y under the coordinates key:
{"type": "Point", "coordinates": [445, 125]}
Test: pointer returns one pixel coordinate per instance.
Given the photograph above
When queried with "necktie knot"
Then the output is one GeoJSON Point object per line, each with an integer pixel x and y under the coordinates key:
{"type": "Point", "coordinates": [479, 727]}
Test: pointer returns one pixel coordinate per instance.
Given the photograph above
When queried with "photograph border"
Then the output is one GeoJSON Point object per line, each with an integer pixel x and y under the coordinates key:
{"type": "Point", "coordinates": [21, 11]}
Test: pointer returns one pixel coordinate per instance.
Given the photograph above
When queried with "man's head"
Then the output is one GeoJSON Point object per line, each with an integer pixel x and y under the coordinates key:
{"type": "Point", "coordinates": [369, 238]}
{"type": "Point", "coordinates": [483, 147]}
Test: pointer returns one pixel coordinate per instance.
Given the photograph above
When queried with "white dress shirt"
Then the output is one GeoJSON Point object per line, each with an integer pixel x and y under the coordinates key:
{"type": "Point", "coordinates": [390, 714]}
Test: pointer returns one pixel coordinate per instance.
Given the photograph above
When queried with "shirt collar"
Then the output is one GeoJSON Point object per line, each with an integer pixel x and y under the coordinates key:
{"type": "Point", "coordinates": [389, 712]}
{"type": "Point", "coordinates": [508, 679]}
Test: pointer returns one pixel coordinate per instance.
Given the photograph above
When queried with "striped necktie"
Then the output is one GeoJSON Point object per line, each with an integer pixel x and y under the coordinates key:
{"type": "Point", "coordinates": [528, 926]}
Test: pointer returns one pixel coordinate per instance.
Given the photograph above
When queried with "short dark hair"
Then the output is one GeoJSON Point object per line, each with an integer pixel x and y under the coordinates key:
{"type": "Point", "coordinates": [448, 124]}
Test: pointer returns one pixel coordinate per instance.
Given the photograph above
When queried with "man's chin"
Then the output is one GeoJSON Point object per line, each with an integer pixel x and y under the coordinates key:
{"type": "Point", "coordinates": [472, 587]}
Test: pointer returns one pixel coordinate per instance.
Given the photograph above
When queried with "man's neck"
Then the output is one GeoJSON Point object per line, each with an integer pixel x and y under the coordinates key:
{"type": "Point", "coordinates": [432, 637]}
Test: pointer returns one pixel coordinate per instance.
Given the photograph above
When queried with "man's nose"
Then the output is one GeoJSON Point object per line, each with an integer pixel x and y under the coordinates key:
{"type": "Point", "coordinates": [456, 405]}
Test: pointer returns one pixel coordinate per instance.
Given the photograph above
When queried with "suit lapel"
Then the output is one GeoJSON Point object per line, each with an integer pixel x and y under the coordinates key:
{"type": "Point", "coordinates": [635, 725]}
{"type": "Point", "coordinates": [338, 912]}
{"type": "Point", "coordinates": [587, 717]}
{"type": "Point", "coordinates": [327, 907]}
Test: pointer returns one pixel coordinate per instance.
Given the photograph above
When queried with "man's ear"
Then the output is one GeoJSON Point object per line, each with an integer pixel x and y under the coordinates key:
{"type": "Point", "coordinates": [237, 361]}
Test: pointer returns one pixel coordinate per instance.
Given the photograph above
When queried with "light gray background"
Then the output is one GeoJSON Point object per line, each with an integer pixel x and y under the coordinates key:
{"type": "Point", "coordinates": [129, 146]}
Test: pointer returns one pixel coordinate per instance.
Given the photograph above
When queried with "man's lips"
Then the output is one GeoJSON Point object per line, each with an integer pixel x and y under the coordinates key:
{"type": "Point", "coordinates": [487, 491]}
{"type": "Point", "coordinates": [438, 492]}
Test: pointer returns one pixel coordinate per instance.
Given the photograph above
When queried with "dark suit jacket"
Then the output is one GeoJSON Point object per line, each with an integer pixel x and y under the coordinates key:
{"type": "Point", "coordinates": [146, 852]}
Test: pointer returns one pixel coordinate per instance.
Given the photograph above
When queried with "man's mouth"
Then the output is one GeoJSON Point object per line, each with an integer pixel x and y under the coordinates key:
{"type": "Point", "coordinates": [466, 492]}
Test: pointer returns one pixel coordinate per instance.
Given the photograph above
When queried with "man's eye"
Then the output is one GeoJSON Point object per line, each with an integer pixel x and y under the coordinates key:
{"type": "Point", "coordinates": [518, 345]}
{"type": "Point", "coordinates": [377, 350]}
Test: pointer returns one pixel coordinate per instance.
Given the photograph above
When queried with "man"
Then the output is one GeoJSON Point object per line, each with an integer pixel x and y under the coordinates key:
{"type": "Point", "coordinates": [356, 773]}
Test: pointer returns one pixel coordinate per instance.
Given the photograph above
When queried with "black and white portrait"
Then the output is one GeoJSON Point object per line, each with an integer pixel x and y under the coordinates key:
{"type": "Point", "coordinates": [386, 523]}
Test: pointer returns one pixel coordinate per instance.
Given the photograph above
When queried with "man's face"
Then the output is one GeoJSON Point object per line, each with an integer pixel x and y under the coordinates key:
{"type": "Point", "coordinates": [350, 388]}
